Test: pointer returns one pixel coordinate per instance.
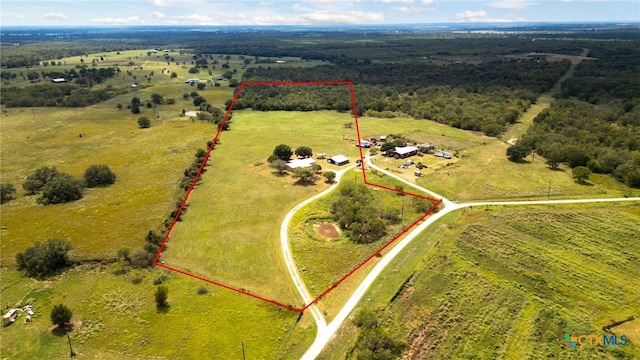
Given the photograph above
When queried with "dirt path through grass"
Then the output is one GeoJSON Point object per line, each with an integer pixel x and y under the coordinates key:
{"type": "Point", "coordinates": [544, 100]}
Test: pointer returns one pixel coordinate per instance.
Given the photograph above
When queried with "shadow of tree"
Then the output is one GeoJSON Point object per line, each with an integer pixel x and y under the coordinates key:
{"type": "Point", "coordinates": [62, 331]}
{"type": "Point", "coordinates": [163, 309]}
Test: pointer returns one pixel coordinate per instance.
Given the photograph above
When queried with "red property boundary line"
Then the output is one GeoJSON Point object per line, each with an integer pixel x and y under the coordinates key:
{"type": "Point", "coordinates": [158, 263]}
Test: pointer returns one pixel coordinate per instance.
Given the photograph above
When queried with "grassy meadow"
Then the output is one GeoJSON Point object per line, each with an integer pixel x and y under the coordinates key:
{"type": "Point", "coordinates": [115, 317]}
{"type": "Point", "coordinates": [230, 232]}
{"type": "Point", "coordinates": [538, 271]}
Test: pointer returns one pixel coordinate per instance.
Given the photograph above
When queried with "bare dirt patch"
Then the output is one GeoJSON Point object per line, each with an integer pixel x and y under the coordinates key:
{"type": "Point", "coordinates": [327, 230]}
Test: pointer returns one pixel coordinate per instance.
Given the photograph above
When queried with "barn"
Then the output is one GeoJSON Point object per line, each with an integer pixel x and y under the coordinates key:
{"type": "Point", "coordinates": [403, 152]}
{"type": "Point", "coordinates": [338, 160]}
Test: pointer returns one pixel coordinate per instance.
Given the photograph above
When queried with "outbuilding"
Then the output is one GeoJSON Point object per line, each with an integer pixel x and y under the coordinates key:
{"type": "Point", "coordinates": [10, 317]}
{"type": "Point", "coordinates": [192, 81]}
{"type": "Point", "coordinates": [443, 154]}
{"type": "Point", "coordinates": [338, 160]}
{"type": "Point", "coordinates": [404, 151]}
{"type": "Point", "coordinates": [364, 144]}
{"type": "Point", "coordinates": [300, 163]}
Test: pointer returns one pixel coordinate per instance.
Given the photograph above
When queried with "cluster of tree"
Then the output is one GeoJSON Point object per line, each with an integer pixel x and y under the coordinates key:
{"type": "Point", "coordinates": [84, 76]}
{"type": "Point", "coordinates": [192, 171]}
{"type": "Point", "coordinates": [535, 75]}
{"type": "Point", "coordinates": [359, 217]}
{"type": "Point", "coordinates": [44, 259]}
{"type": "Point", "coordinates": [373, 341]}
{"type": "Point", "coordinates": [490, 111]}
{"type": "Point", "coordinates": [605, 138]}
{"type": "Point", "coordinates": [284, 152]}
{"type": "Point", "coordinates": [61, 95]}
{"type": "Point", "coordinates": [56, 187]}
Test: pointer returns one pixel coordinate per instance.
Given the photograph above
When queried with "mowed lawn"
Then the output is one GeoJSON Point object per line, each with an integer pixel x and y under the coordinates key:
{"type": "Point", "coordinates": [230, 232]}
{"type": "Point", "coordinates": [509, 282]}
{"type": "Point", "coordinates": [148, 164]}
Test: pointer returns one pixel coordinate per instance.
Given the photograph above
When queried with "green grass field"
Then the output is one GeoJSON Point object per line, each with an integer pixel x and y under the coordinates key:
{"type": "Point", "coordinates": [538, 271]}
{"type": "Point", "coordinates": [230, 232]}
{"type": "Point", "coordinates": [115, 317]}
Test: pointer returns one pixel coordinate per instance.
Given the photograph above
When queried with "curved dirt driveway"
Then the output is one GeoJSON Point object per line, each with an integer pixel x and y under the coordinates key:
{"type": "Point", "coordinates": [326, 331]}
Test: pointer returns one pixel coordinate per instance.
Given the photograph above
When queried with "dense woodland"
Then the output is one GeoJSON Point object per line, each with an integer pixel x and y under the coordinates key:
{"type": "Point", "coordinates": [597, 122]}
{"type": "Point", "coordinates": [485, 97]}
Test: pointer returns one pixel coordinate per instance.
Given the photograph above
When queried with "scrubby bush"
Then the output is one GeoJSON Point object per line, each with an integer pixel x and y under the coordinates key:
{"type": "Point", "coordinates": [99, 175]}
{"type": "Point", "coordinates": [7, 193]}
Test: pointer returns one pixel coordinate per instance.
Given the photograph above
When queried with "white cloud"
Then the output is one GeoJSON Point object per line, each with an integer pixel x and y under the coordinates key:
{"type": "Point", "coordinates": [395, 1]}
{"type": "Point", "coordinates": [157, 14]}
{"type": "Point", "coordinates": [131, 20]}
{"type": "Point", "coordinates": [55, 16]}
{"type": "Point", "coordinates": [12, 15]}
{"type": "Point", "coordinates": [428, 2]}
{"type": "Point", "coordinates": [161, 3]}
{"type": "Point", "coordinates": [194, 19]}
{"type": "Point", "coordinates": [472, 16]}
{"type": "Point", "coordinates": [518, 5]}
{"type": "Point", "coordinates": [265, 3]}
{"type": "Point", "coordinates": [412, 9]}
{"type": "Point", "coordinates": [347, 17]}
{"type": "Point", "coordinates": [323, 2]}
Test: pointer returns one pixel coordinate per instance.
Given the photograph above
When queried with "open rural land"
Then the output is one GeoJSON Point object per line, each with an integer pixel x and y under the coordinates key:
{"type": "Point", "coordinates": [357, 192]}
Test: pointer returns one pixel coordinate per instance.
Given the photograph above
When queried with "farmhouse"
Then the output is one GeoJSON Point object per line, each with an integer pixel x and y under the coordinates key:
{"type": "Point", "coordinates": [192, 81]}
{"type": "Point", "coordinates": [443, 154]}
{"type": "Point", "coordinates": [300, 163]}
{"type": "Point", "coordinates": [338, 160]}
{"type": "Point", "coordinates": [403, 152]}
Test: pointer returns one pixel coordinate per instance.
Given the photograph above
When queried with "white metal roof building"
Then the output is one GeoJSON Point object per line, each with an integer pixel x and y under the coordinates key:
{"type": "Point", "coordinates": [300, 163]}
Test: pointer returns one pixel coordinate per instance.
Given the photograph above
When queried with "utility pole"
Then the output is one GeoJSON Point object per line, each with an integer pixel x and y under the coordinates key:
{"type": "Point", "coordinates": [71, 353]}
{"type": "Point", "coordinates": [549, 191]}
{"type": "Point", "coordinates": [243, 358]}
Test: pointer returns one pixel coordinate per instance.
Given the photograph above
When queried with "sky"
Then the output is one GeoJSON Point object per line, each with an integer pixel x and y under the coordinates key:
{"type": "Point", "coordinates": [310, 12]}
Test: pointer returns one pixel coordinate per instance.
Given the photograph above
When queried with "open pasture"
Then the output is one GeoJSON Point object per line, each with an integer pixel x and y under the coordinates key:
{"type": "Point", "coordinates": [230, 232]}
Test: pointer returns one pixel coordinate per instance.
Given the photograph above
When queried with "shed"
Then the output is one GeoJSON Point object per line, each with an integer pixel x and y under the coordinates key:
{"type": "Point", "coordinates": [300, 163]}
{"type": "Point", "coordinates": [217, 78]}
{"type": "Point", "coordinates": [10, 317]}
{"type": "Point", "coordinates": [383, 138]}
{"type": "Point", "coordinates": [338, 160]}
{"type": "Point", "coordinates": [192, 81]}
{"type": "Point", "coordinates": [364, 144]}
{"type": "Point", "coordinates": [59, 80]}
{"type": "Point", "coordinates": [405, 151]}
{"type": "Point", "coordinates": [443, 154]}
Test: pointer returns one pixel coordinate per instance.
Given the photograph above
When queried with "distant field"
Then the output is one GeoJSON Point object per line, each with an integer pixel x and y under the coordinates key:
{"type": "Point", "coordinates": [148, 165]}
{"type": "Point", "coordinates": [508, 282]}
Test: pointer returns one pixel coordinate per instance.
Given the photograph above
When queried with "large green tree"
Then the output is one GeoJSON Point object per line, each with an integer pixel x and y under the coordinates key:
{"type": "Point", "coordinates": [283, 152]}
{"type": "Point", "coordinates": [304, 175]}
{"type": "Point", "coordinates": [44, 259]}
{"type": "Point", "coordinates": [61, 189]}
{"type": "Point", "coordinates": [516, 153]}
{"type": "Point", "coordinates": [304, 151]}
{"type": "Point", "coordinates": [61, 315]}
{"type": "Point", "coordinates": [581, 174]}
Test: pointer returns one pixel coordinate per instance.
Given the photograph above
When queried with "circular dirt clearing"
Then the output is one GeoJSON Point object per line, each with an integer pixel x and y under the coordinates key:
{"type": "Point", "coordinates": [327, 230]}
